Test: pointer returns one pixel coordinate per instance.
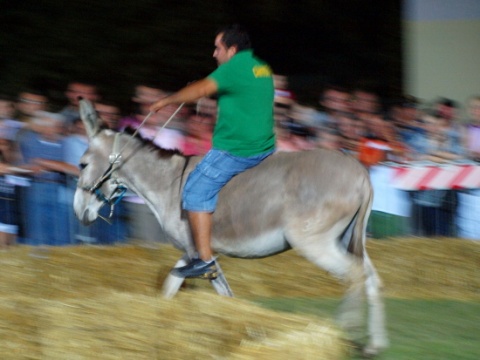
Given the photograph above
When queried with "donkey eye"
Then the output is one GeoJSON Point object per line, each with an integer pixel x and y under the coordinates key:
{"type": "Point", "coordinates": [82, 166]}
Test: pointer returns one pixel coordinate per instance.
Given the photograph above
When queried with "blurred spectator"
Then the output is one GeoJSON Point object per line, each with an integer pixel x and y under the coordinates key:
{"type": "Point", "coordinates": [207, 106]}
{"type": "Point", "coordinates": [436, 208]}
{"type": "Point", "coordinates": [9, 214]}
{"type": "Point", "coordinates": [144, 96]}
{"type": "Point", "coordinates": [77, 89]}
{"type": "Point", "coordinates": [284, 98]}
{"type": "Point", "coordinates": [283, 138]}
{"type": "Point", "coordinates": [7, 107]}
{"type": "Point", "coordinates": [302, 114]}
{"type": "Point", "coordinates": [404, 114]}
{"type": "Point", "coordinates": [167, 136]}
{"type": "Point", "coordinates": [446, 109]}
{"type": "Point", "coordinates": [282, 91]}
{"type": "Point", "coordinates": [471, 130]}
{"type": "Point", "coordinates": [469, 200]}
{"type": "Point", "coordinates": [8, 124]}
{"type": "Point", "coordinates": [448, 112]}
{"type": "Point", "coordinates": [329, 138]}
{"type": "Point", "coordinates": [29, 102]}
{"type": "Point", "coordinates": [44, 209]}
{"type": "Point", "coordinates": [364, 102]}
{"type": "Point", "coordinates": [296, 137]}
{"type": "Point", "coordinates": [198, 137]}
{"type": "Point", "coordinates": [350, 132]}
{"type": "Point", "coordinates": [333, 100]}
{"type": "Point", "coordinates": [109, 112]}
{"type": "Point", "coordinates": [438, 143]}
{"type": "Point", "coordinates": [280, 111]}
{"type": "Point", "coordinates": [379, 142]}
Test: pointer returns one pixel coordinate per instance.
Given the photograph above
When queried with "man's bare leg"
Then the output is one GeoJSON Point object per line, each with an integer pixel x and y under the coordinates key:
{"type": "Point", "coordinates": [201, 226]}
{"type": "Point", "coordinates": [204, 267]}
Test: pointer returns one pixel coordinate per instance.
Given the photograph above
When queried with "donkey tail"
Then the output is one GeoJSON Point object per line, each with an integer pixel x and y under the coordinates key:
{"type": "Point", "coordinates": [354, 236]}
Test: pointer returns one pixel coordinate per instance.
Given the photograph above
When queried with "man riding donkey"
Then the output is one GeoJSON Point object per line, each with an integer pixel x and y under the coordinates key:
{"type": "Point", "coordinates": [242, 138]}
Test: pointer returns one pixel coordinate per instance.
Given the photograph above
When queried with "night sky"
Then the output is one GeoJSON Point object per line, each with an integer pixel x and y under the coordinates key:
{"type": "Point", "coordinates": [119, 42]}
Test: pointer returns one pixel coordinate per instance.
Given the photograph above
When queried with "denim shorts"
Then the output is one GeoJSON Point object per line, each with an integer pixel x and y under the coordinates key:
{"type": "Point", "coordinates": [212, 173]}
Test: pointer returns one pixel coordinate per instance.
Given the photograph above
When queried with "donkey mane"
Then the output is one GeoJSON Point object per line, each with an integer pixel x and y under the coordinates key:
{"type": "Point", "coordinates": [162, 153]}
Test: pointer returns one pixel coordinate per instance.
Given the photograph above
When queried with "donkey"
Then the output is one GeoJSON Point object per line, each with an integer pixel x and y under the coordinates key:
{"type": "Point", "coordinates": [317, 202]}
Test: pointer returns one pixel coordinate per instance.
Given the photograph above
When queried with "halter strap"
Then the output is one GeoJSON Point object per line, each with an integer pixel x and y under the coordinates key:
{"type": "Point", "coordinates": [114, 163]}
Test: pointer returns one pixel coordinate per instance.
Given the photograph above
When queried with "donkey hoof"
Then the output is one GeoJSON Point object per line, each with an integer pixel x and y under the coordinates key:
{"type": "Point", "coordinates": [371, 351]}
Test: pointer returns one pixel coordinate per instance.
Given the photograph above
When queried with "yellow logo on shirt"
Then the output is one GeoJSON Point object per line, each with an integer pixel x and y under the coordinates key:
{"type": "Point", "coordinates": [260, 71]}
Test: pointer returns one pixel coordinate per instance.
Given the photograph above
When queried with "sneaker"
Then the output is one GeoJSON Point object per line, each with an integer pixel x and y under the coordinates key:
{"type": "Point", "coordinates": [197, 268]}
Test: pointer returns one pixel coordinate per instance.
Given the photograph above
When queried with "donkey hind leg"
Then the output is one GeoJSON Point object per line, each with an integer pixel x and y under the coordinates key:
{"type": "Point", "coordinates": [328, 255]}
{"type": "Point", "coordinates": [220, 283]}
{"type": "Point", "coordinates": [351, 316]}
{"type": "Point", "coordinates": [361, 275]}
{"type": "Point", "coordinates": [376, 321]}
{"type": "Point", "coordinates": [172, 283]}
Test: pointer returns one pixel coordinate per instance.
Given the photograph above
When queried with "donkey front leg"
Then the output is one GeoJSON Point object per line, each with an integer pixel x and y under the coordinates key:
{"type": "Point", "coordinates": [220, 283]}
{"type": "Point", "coordinates": [172, 283]}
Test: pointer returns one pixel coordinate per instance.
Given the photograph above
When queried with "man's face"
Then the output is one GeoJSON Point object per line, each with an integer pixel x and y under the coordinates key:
{"type": "Point", "coordinates": [29, 103]}
{"type": "Point", "coordinates": [365, 102]}
{"type": "Point", "coordinates": [7, 109]}
{"type": "Point", "coordinates": [76, 90]}
{"type": "Point", "coordinates": [334, 100]}
{"type": "Point", "coordinates": [474, 110]}
{"type": "Point", "coordinates": [108, 113]}
{"type": "Point", "coordinates": [221, 53]}
{"type": "Point", "coordinates": [446, 111]}
{"type": "Point", "coordinates": [147, 95]}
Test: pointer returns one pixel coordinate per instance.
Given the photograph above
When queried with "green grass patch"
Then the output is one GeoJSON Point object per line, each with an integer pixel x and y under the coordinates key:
{"type": "Point", "coordinates": [418, 329]}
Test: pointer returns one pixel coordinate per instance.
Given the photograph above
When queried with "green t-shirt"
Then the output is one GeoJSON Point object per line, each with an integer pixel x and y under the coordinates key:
{"type": "Point", "coordinates": [245, 125]}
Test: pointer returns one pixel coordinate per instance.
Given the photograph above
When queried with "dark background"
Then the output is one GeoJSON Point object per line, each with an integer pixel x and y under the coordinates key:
{"type": "Point", "coordinates": [118, 43]}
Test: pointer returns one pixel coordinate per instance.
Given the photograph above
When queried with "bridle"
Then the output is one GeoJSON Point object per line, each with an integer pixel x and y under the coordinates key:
{"type": "Point", "coordinates": [120, 189]}
{"type": "Point", "coordinates": [114, 160]}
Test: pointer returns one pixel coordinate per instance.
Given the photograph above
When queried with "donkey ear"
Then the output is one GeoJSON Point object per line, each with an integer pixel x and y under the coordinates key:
{"type": "Point", "coordinates": [89, 117]}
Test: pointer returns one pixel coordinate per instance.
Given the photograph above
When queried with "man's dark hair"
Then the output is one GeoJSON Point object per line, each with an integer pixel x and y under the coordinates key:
{"type": "Point", "coordinates": [333, 87]}
{"type": "Point", "coordinates": [235, 35]}
{"type": "Point", "coordinates": [34, 91]}
{"type": "Point", "coordinates": [447, 102]}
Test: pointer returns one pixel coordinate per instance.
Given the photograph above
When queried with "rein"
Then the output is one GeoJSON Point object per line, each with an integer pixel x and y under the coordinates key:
{"type": "Point", "coordinates": [114, 160]}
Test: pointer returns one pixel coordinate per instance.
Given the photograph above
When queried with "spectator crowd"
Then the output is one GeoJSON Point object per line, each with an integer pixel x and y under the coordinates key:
{"type": "Point", "coordinates": [40, 150]}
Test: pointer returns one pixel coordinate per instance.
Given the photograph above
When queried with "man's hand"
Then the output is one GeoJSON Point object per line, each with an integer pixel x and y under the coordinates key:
{"type": "Point", "coordinates": [160, 104]}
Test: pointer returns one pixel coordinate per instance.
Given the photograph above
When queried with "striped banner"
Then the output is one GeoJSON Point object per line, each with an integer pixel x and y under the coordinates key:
{"type": "Point", "coordinates": [436, 177]}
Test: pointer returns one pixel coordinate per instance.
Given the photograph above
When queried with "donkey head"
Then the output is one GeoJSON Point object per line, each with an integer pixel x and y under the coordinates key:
{"type": "Point", "coordinates": [96, 185]}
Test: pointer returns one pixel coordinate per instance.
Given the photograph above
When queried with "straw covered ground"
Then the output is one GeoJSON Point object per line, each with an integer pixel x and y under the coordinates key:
{"type": "Point", "coordinates": [104, 302]}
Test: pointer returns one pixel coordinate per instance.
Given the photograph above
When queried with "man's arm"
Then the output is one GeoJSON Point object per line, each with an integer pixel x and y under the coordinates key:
{"type": "Point", "coordinates": [190, 93]}
{"type": "Point", "coordinates": [58, 166]}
